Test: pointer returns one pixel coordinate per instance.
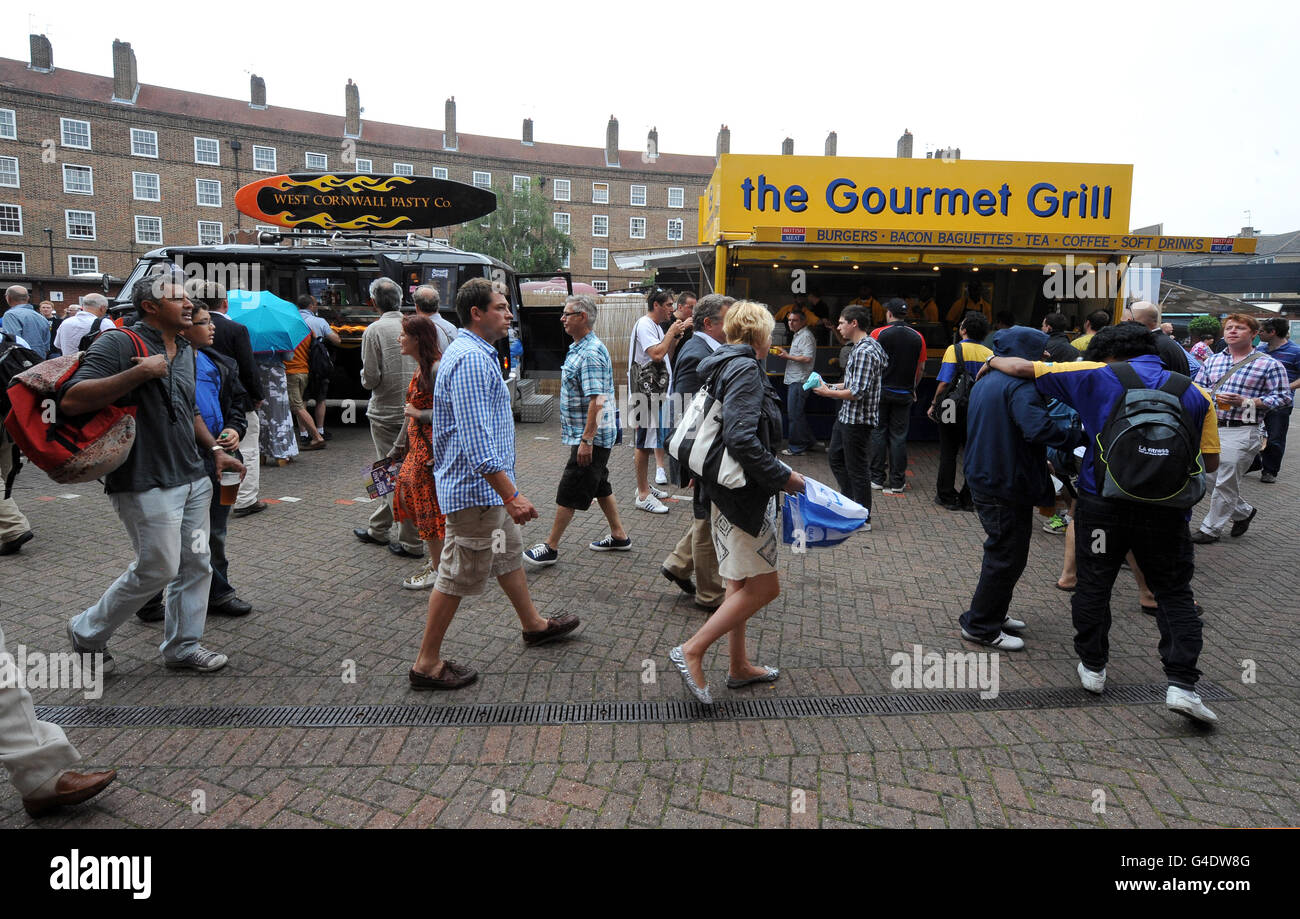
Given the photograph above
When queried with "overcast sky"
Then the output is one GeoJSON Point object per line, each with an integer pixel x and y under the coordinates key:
{"type": "Point", "coordinates": [1199, 97]}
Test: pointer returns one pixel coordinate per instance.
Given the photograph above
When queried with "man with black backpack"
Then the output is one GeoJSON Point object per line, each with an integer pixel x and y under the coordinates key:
{"type": "Point", "coordinates": [79, 330]}
{"type": "Point", "coordinates": [1151, 436]}
{"type": "Point", "coordinates": [961, 363]}
{"type": "Point", "coordinates": [15, 531]}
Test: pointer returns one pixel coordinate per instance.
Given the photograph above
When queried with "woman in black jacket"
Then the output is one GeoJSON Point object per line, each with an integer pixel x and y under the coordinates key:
{"type": "Point", "coordinates": [744, 519]}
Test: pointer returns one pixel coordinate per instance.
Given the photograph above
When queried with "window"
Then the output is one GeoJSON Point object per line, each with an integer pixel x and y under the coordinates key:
{"type": "Point", "coordinates": [636, 230]}
{"type": "Point", "coordinates": [600, 286]}
{"type": "Point", "coordinates": [483, 179]}
{"type": "Point", "coordinates": [210, 233]}
{"type": "Point", "coordinates": [523, 183]}
{"type": "Point", "coordinates": [560, 190]}
{"type": "Point", "coordinates": [600, 193]}
{"type": "Point", "coordinates": [638, 196]}
{"type": "Point", "coordinates": [561, 221]}
{"type": "Point", "coordinates": [207, 151]}
{"type": "Point", "coordinates": [440, 172]}
{"type": "Point", "coordinates": [9, 171]}
{"type": "Point", "coordinates": [79, 224]}
{"type": "Point", "coordinates": [264, 158]}
{"type": "Point", "coordinates": [75, 133]}
{"type": "Point", "coordinates": [8, 127]}
{"type": "Point", "coordinates": [148, 230]}
{"type": "Point", "coordinates": [145, 185]}
{"type": "Point", "coordinates": [600, 259]}
{"type": "Point", "coordinates": [675, 230]}
{"type": "Point", "coordinates": [676, 197]}
{"type": "Point", "coordinates": [78, 180]}
{"type": "Point", "coordinates": [208, 192]}
{"type": "Point", "coordinates": [13, 263]}
{"type": "Point", "coordinates": [599, 225]}
{"type": "Point", "coordinates": [403, 169]}
{"type": "Point", "coordinates": [565, 263]}
{"type": "Point", "coordinates": [83, 264]}
{"type": "Point", "coordinates": [144, 143]}
{"type": "Point", "coordinates": [318, 161]}
{"type": "Point", "coordinates": [11, 219]}
{"type": "Point", "coordinates": [364, 165]}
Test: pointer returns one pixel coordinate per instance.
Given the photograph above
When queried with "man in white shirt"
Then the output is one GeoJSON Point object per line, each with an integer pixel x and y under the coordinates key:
{"type": "Point", "coordinates": [426, 304]}
{"type": "Point", "coordinates": [93, 306]}
{"type": "Point", "coordinates": [651, 345]}
{"type": "Point", "coordinates": [800, 357]}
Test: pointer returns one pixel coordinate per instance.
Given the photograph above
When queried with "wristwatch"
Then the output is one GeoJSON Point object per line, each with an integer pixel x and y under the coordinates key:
{"type": "Point", "coordinates": [589, 443]}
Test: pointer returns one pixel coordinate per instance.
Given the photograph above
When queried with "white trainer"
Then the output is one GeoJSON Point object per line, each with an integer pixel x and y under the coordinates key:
{"type": "Point", "coordinates": [1188, 704]}
{"type": "Point", "coordinates": [1013, 625]}
{"type": "Point", "coordinates": [1092, 680]}
{"type": "Point", "coordinates": [661, 475]}
{"type": "Point", "coordinates": [1003, 642]}
{"type": "Point", "coordinates": [658, 493]}
{"type": "Point", "coordinates": [651, 504]}
{"type": "Point", "coordinates": [422, 581]}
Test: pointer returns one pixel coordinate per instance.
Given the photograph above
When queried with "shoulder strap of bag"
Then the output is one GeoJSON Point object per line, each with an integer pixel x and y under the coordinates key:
{"type": "Point", "coordinates": [1233, 369]}
{"type": "Point", "coordinates": [961, 364]}
{"type": "Point", "coordinates": [1128, 377]}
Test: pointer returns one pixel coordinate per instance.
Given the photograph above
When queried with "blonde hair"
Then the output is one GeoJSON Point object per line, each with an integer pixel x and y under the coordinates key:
{"type": "Point", "coordinates": [748, 323]}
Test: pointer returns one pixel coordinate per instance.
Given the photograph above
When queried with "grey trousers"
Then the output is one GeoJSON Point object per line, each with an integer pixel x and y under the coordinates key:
{"type": "Point", "coordinates": [248, 452]}
{"type": "Point", "coordinates": [385, 434]}
{"type": "Point", "coordinates": [33, 751]}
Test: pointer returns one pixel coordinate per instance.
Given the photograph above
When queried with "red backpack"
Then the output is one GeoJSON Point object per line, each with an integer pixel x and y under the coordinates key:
{"type": "Point", "coordinates": [69, 448]}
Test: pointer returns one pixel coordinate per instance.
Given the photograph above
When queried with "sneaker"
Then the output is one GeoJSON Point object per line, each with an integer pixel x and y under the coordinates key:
{"type": "Point", "coordinates": [651, 504]}
{"type": "Point", "coordinates": [1267, 478]}
{"type": "Point", "coordinates": [1003, 642]}
{"type": "Point", "coordinates": [876, 486]}
{"type": "Point", "coordinates": [422, 581]}
{"type": "Point", "coordinates": [788, 452]}
{"type": "Point", "coordinates": [1055, 524]}
{"type": "Point", "coordinates": [88, 656]}
{"type": "Point", "coordinates": [892, 491]}
{"type": "Point", "coordinates": [200, 659]}
{"type": "Point", "coordinates": [661, 475]}
{"type": "Point", "coordinates": [1092, 680]}
{"type": "Point", "coordinates": [1241, 526]}
{"type": "Point", "coordinates": [1012, 625]}
{"type": "Point", "coordinates": [541, 555]}
{"type": "Point", "coordinates": [1189, 704]}
{"type": "Point", "coordinates": [658, 493]}
{"type": "Point", "coordinates": [610, 544]}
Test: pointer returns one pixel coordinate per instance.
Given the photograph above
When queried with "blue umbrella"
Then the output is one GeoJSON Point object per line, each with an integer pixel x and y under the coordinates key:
{"type": "Point", "coordinates": [273, 323]}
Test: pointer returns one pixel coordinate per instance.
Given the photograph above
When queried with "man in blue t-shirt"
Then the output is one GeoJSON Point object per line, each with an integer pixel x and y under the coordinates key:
{"type": "Point", "coordinates": [1275, 341]}
{"type": "Point", "coordinates": [1106, 529]}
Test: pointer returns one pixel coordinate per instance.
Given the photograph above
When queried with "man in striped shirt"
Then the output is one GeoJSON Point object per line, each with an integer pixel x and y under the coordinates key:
{"type": "Point", "coordinates": [1245, 384]}
{"type": "Point", "coordinates": [474, 470]}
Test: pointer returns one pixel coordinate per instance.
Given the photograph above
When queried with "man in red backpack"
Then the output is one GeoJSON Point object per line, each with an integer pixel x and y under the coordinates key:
{"type": "Point", "coordinates": [161, 492]}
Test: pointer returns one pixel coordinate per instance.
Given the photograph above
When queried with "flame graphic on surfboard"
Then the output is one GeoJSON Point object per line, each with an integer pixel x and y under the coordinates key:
{"type": "Point", "coordinates": [362, 202]}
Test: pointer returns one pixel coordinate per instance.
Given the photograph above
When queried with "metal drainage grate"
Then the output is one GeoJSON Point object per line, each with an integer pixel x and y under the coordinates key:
{"type": "Point", "coordinates": [777, 708]}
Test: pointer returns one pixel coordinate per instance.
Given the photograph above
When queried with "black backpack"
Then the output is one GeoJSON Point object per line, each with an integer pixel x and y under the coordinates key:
{"type": "Point", "coordinates": [320, 364]}
{"type": "Point", "coordinates": [959, 392]}
{"type": "Point", "coordinates": [88, 339]}
{"type": "Point", "coordinates": [14, 359]}
{"type": "Point", "coordinates": [1148, 451]}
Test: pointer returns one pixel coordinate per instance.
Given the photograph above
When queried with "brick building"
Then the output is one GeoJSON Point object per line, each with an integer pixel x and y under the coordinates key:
{"type": "Point", "coordinates": [95, 171]}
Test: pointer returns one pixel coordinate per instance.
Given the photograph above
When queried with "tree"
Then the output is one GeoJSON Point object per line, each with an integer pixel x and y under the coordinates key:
{"type": "Point", "coordinates": [1203, 325]}
{"type": "Point", "coordinates": [520, 232]}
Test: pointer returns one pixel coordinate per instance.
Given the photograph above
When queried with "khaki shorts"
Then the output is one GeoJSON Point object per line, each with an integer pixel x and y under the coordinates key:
{"type": "Point", "coordinates": [482, 543]}
{"type": "Point", "coordinates": [297, 390]}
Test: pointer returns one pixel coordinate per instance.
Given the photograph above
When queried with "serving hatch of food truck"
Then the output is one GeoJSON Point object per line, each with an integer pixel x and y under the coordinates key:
{"type": "Point", "coordinates": [1016, 240]}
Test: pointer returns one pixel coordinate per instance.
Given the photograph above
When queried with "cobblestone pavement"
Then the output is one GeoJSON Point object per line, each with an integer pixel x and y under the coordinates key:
{"type": "Point", "coordinates": [322, 599]}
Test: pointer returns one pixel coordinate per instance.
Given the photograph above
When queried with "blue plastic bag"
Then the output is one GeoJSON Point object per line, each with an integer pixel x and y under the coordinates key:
{"type": "Point", "coordinates": [820, 516]}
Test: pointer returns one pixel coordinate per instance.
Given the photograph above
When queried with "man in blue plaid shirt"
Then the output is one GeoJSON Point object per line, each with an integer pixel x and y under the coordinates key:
{"type": "Point", "coordinates": [474, 470]}
{"type": "Point", "coordinates": [586, 425]}
{"type": "Point", "coordinates": [1245, 384]}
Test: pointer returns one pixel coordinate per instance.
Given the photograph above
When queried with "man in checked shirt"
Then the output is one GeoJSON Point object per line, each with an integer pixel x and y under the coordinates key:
{"type": "Point", "coordinates": [1245, 384]}
{"type": "Point", "coordinates": [474, 470]}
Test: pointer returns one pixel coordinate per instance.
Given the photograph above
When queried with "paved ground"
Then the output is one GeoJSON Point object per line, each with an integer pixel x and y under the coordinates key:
{"type": "Point", "coordinates": [323, 599]}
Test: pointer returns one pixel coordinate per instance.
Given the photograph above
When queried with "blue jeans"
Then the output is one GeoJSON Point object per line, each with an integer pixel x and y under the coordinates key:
{"type": "Point", "coordinates": [889, 439]}
{"type": "Point", "coordinates": [1006, 550]}
{"type": "Point", "coordinates": [169, 530]}
{"type": "Point", "coordinates": [800, 436]}
{"type": "Point", "coordinates": [1276, 423]}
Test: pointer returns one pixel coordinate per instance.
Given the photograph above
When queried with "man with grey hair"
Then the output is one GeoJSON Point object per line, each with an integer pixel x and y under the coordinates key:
{"type": "Point", "coordinates": [22, 320]}
{"type": "Point", "coordinates": [694, 553]}
{"type": "Point", "coordinates": [426, 304]}
{"type": "Point", "coordinates": [1171, 353]}
{"type": "Point", "coordinates": [90, 319]}
{"type": "Point", "coordinates": [387, 373]}
{"type": "Point", "coordinates": [587, 426]}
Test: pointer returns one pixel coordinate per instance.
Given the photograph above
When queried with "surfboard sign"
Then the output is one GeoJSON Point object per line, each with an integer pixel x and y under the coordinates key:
{"type": "Point", "coordinates": [352, 201]}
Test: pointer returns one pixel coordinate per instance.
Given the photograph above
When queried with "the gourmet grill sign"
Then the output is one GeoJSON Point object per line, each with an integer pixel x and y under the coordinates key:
{"type": "Point", "coordinates": [362, 202]}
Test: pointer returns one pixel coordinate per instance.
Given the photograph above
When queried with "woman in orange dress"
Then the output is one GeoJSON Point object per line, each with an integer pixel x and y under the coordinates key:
{"type": "Point", "coordinates": [416, 497]}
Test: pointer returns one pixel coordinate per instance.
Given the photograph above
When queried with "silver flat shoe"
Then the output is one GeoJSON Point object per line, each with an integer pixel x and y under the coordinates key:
{"type": "Point", "coordinates": [769, 677]}
{"type": "Point", "coordinates": [679, 659]}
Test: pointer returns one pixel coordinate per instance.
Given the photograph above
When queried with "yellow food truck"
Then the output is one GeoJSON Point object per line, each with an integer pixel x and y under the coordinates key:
{"type": "Point", "coordinates": [1016, 239]}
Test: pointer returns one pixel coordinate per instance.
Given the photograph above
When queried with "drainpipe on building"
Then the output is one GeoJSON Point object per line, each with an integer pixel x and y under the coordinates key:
{"type": "Point", "coordinates": [235, 147]}
{"type": "Point", "coordinates": [49, 234]}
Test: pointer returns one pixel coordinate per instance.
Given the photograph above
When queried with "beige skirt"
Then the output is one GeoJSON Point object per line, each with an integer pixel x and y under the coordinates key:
{"type": "Point", "coordinates": [741, 555]}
